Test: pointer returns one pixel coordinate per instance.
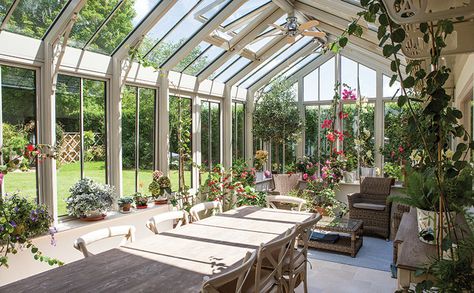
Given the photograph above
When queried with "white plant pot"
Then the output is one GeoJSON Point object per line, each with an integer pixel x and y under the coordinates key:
{"type": "Point", "coordinates": [349, 177]}
{"type": "Point", "coordinates": [259, 176]}
{"type": "Point", "coordinates": [428, 225]}
{"type": "Point", "coordinates": [367, 172]}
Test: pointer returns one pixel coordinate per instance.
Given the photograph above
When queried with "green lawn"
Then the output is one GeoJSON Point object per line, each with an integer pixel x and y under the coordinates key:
{"type": "Point", "coordinates": [68, 174]}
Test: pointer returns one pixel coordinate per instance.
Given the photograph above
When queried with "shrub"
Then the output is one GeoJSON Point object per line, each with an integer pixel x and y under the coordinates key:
{"type": "Point", "coordinates": [87, 196]}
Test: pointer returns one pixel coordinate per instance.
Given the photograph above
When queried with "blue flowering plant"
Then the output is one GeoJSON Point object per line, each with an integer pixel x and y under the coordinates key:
{"type": "Point", "coordinates": [20, 221]}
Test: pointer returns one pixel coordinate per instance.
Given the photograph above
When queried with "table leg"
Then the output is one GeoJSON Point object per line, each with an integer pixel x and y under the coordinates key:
{"type": "Point", "coordinates": [403, 278]}
{"type": "Point", "coordinates": [353, 243]}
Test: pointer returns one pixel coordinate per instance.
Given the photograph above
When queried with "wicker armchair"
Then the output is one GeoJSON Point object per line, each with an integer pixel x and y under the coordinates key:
{"type": "Point", "coordinates": [284, 183]}
{"type": "Point", "coordinates": [371, 206]}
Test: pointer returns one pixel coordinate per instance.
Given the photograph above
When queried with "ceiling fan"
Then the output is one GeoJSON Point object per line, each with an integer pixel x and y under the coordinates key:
{"type": "Point", "coordinates": [291, 29]}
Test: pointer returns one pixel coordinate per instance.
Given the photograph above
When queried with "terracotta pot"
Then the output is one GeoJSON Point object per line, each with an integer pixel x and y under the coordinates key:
{"type": "Point", "coordinates": [322, 211]}
{"type": "Point", "coordinates": [142, 207]}
{"type": "Point", "coordinates": [161, 201]}
{"type": "Point", "coordinates": [126, 207]}
{"type": "Point", "coordinates": [93, 218]}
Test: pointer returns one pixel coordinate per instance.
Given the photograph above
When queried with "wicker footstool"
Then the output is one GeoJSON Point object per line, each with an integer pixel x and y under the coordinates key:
{"type": "Point", "coordinates": [350, 235]}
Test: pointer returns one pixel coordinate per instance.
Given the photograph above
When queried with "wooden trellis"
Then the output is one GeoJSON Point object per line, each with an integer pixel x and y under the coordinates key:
{"type": "Point", "coordinates": [70, 150]}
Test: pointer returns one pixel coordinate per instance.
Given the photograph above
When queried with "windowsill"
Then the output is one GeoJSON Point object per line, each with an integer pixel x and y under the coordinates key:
{"type": "Point", "coordinates": [68, 223]}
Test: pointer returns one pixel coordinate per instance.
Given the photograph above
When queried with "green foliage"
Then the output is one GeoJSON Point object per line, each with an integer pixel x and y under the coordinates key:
{"type": "Point", "coordinates": [393, 170]}
{"type": "Point", "coordinates": [140, 200]}
{"type": "Point", "coordinates": [350, 163]}
{"type": "Point", "coordinates": [125, 200]}
{"type": "Point", "coordinates": [250, 197]}
{"type": "Point", "coordinates": [21, 220]}
{"type": "Point", "coordinates": [88, 196]}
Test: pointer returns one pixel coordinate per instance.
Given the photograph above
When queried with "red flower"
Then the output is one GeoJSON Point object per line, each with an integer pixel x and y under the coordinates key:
{"type": "Point", "coordinates": [30, 147]}
{"type": "Point", "coordinates": [400, 149]}
{"type": "Point", "coordinates": [343, 115]}
{"type": "Point", "coordinates": [326, 123]}
{"type": "Point", "coordinates": [330, 136]}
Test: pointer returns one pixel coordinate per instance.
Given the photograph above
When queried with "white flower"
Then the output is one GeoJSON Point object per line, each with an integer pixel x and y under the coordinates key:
{"type": "Point", "coordinates": [366, 132]}
{"type": "Point", "coordinates": [449, 154]}
{"type": "Point", "coordinates": [369, 154]}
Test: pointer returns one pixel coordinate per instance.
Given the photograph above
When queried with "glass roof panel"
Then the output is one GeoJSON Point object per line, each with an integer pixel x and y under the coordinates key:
{"type": "Point", "coordinates": [91, 17]}
{"type": "Point", "coordinates": [184, 30]}
{"type": "Point", "coordinates": [245, 9]}
{"type": "Point", "coordinates": [4, 6]}
{"type": "Point", "coordinates": [232, 69]}
{"type": "Point", "coordinates": [33, 18]}
{"type": "Point", "coordinates": [205, 58]}
{"type": "Point", "coordinates": [124, 20]}
{"type": "Point", "coordinates": [275, 61]}
{"type": "Point", "coordinates": [224, 66]}
{"type": "Point", "coordinates": [259, 44]}
{"type": "Point", "coordinates": [300, 64]}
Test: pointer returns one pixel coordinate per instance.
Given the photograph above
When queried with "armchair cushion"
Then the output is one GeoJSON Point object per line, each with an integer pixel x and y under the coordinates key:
{"type": "Point", "coordinates": [369, 206]}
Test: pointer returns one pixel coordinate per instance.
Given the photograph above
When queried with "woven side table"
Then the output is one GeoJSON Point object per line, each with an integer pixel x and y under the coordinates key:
{"type": "Point", "coordinates": [350, 235]}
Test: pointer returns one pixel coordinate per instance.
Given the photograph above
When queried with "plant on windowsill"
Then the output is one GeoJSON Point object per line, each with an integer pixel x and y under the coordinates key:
{"type": "Point", "coordinates": [141, 201]}
{"type": "Point", "coordinates": [89, 200]}
{"type": "Point", "coordinates": [393, 170]}
{"type": "Point", "coordinates": [446, 174]}
{"type": "Point", "coordinates": [21, 219]}
{"type": "Point", "coordinates": [125, 203]}
{"type": "Point", "coordinates": [160, 188]}
{"type": "Point", "coordinates": [350, 167]}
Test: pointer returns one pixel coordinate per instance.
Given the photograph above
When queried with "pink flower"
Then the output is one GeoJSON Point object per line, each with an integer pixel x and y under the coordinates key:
{"type": "Point", "coordinates": [330, 136]}
{"type": "Point", "coordinates": [326, 123]}
{"type": "Point", "coordinates": [305, 176]}
{"type": "Point", "coordinates": [314, 177]}
{"type": "Point", "coordinates": [267, 174]}
{"type": "Point", "coordinates": [401, 149]}
{"type": "Point", "coordinates": [1, 178]}
{"type": "Point", "coordinates": [348, 94]}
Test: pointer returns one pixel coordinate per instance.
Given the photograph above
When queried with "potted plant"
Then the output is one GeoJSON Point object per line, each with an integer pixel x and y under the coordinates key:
{"type": "Point", "coordinates": [125, 203]}
{"type": "Point", "coordinates": [89, 200]}
{"type": "Point", "coordinates": [261, 158]}
{"type": "Point", "coordinates": [141, 201]}
{"type": "Point", "coordinates": [394, 171]}
{"type": "Point", "coordinates": [160, 188]}
{"type": "Point", "coordinates": [322, 199]}
{"type": "Point", "coordinates": [350, 165]}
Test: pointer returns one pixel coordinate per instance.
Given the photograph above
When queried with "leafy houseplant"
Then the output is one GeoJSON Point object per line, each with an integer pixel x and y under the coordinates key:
{"type": "Point", "coordinates": [276, 117]}
{"type": "Point", "coordinates": [350, 164]}
{"type": "Point", "coordinates": [89, 200]}
{"type": "Point", "coordinates": [393, 170]}
{"type": "Point", "coordinates": [160, 185]}
{"type": "Point", "coordinates": [248, 196]}
{"type": "Point", "coordinates": [437, 124]}
{"type": "Point", "coordinates": [322, 199]}
{"type": "Point", "coordinates": [125, 203]}
{"type": "Point", "coordinates": [141, 201]}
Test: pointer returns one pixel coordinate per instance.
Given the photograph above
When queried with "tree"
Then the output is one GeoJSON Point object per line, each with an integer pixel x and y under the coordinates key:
{"type": "Point", "coordinates": [276, 116]}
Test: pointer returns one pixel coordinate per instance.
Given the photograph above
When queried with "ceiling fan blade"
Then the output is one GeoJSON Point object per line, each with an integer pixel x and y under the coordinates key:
{"type": "Point", "coordinates": [279, 27]}
{"type": "Point", "coordinates": [314, 34]}
{"type": "Point", "coordinates": [290, 39]}
{"type": "Point", "coordinates": [308, 25]}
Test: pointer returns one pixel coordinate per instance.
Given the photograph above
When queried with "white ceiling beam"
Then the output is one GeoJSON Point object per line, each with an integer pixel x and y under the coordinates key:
{"type": "Point", "coordinates": [341, 8]}
{"type": "Point", "coordinates": [260, 59]}
{"type": "Point", "coordinates": [145, 26]}
{"type": "Point", "coordinates": [286, 5]}
{"type": "Point", "coordinates": [69, 14]}
{"type": "Point", "coordinates": [305, 51]}
{"type": "Point", "coordinates": [198, 37]}
{"type": "Point", "coordinates": [244, 38]}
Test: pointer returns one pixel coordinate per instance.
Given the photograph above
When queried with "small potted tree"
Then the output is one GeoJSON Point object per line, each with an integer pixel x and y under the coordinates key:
{"type": "Point", "coordinates": [160, 188]}
{"type": "Point", "coordinates": [125, 203]}
{"type": "Point", "coordinates": [350, 165]}
{"type": "Point", "coordinates": [261, 158]}
{"type": "Point", "coordinates": [89, 200]}
{"type": "Point", "coordinates": [141, 201]}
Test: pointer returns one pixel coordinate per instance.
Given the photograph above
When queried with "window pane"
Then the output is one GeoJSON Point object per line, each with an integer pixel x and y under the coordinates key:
{"type": "Point", "coordinates": [327, 81]}
{"type": "Point", "coordinates": [367, 80]}
{"type": "Point", "coordinates": [238, 137]}
{"type": "Point", "coordinates": [215, 133]}
{"type": "Point", "coordinates": [311, 131]}
{"type": "Point", "coordinates": [146, 123]}
{"type": "Point", "coordinates": [204, 60]}
{"type": "Point", "coordinates": [180, 107]}
{"type": "Point", "coordinates": [300, 64]}
{"type": "Point", "coordinates": [4, 6]}
{"type": "Point", "coordinates": [129, 112]}
{"type": "Point", "coordinates": [349, 72]}
{"type": "Point", "coordinates": [232, 69]}
{"type": "Point", "coordinates": [33, 18]}
{"type": "Point", "coordinates": [205, 137]}
{"type": "Point", "coordinates": [389, 91]}
{"type": "Point", "coordinates": [68, 136]}
{"type": "Point", "coordinates": [311, 86]}
{"type": "Point", "coordinates": [91, 16]}
{"type": "Point", "coordinates": [94, 130]}
{"type": "Point", "coordinates": [125, 19]}
{"type": "Point", "coordinates": [18, 96]}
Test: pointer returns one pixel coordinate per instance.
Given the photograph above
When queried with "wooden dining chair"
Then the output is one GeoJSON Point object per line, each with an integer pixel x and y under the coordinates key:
{"type": "Point", "coordinates": [127, 231]}
{"type": "Point", "coordinates": [179, 216]}
{"type": "Point", "coordinates": [272, 199]}
{"type": "Point", "coordinates": [233, 280]}
{"type": "Point", "coordinates": [295, 267]}
{"type": "Point", "coordinates": [204, 207]}
{"type": "Point", "coordinates": [268, 272]}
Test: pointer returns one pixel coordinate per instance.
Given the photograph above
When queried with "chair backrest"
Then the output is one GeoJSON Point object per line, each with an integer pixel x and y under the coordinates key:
{"type": "Point", "coordinates": [376, 186]}
{"type": "Point", "coordinates": [233, 280]}
{"type": "Point", "coordinates": [304, 229]}
{"type": "Point", "coordinates": [153, 222]}
{"type": "Point", "coordinates": [284, 199]}
{"type": "Point", "coordinates": [127, 231]}
{"type": "Point", "coordinates": [204, 207]}
{"type": "Point", "coordinates": [273, 253]}
{"type": "Point", "coordinates": [284, 183]}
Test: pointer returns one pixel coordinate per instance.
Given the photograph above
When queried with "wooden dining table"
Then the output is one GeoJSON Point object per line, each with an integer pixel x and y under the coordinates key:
{"type": "Point", "coordinates": [173, 261]}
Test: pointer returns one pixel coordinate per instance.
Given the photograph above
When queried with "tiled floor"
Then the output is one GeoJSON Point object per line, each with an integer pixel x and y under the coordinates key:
{"type": "Point", "coordinates": [330, 277]}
